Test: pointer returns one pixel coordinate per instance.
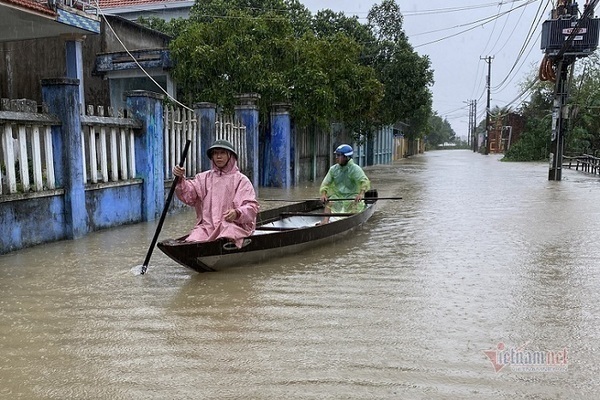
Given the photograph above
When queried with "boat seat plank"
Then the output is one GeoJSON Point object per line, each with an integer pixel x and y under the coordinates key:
{"type": "Point", "coordinates": [277, 228]}
{"type": "Point", "coordinates": [307, 214]}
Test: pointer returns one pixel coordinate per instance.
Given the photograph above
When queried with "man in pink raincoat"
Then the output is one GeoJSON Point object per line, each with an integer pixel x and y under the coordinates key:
{"type": "Point", "coordinates": [223, 197]}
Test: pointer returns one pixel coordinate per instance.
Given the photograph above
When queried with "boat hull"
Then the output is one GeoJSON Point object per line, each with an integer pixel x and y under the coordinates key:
{"type": "Point", "coordinates": [281, 231]}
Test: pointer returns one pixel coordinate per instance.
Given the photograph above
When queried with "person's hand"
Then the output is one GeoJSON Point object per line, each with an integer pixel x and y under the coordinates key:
{"type": "Point", "coordinates": [359, 197]}
{"type": "Point", "coordinates": [324, 198]}
{"type": "Point", "coordinates": [231, 215]}
{"type": "Point", "coordinates": [178, 171]}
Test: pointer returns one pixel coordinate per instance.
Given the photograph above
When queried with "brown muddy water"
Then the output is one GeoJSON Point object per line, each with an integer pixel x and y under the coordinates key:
{"type": "Point", "coordinates": [482, 283]}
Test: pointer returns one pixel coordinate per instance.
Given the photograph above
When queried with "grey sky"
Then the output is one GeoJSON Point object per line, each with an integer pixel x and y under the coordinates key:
{"type": "Point", "coordinates": [456, 36]}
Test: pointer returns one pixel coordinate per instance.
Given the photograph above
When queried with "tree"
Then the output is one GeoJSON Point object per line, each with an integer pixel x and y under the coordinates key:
{"type": "Point", "coordinates": [171, 28]}
{"type": "Point", "coordinates": [322, 79]}
{"type": "Point", "coordinates": [583, 133]}
{"type": "Point", "coordinates": [406, 75]}
{"type": "Point", "coordinates": [218, 59]}
{"type": "Point", "coordinates": [330, 68]}
{"type": "Point", "coordinates": [440, 131]}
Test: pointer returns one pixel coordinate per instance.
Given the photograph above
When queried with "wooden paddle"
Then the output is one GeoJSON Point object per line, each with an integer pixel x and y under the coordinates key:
{"type": "Point", "coordinates": [352, 198]}
{"type": "Point", "coordinates": [165, 209]}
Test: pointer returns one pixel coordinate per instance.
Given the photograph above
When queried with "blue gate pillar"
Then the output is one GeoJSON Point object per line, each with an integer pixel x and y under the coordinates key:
{"type": "Point", "coordinates": [147, 107]}
{"type": "Point", "coordinates": [370, 154]}
{"type": "Point", "coordinates": [74, 62]}
{"type": "Point", "coordinates": [247, 112]}
{"type": "Point", "coordinates": [279, 170]}
{"type": "Point", "coordinates": [62, 97]}
{"type": "Point", "coordinates": [206, 113]}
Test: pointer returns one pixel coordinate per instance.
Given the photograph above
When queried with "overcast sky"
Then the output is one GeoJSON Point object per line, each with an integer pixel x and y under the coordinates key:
{"type": "Point", "coordinates": [457, 35]}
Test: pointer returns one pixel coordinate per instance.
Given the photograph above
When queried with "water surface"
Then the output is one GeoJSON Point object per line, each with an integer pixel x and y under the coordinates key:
{"type": "Point", "coordinates": [479, 253]}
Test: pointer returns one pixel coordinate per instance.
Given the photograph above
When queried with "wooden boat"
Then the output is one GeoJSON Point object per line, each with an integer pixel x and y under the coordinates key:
{"type": "Point", "coordinates": [280, 231]}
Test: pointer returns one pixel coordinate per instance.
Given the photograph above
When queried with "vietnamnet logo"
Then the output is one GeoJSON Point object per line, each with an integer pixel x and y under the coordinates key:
{"type": "Point", "coordinates": [520, 359]}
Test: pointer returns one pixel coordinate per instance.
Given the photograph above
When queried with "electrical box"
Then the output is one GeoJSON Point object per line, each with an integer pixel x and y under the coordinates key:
{"type": "Point", "coordinates": [579, 37]}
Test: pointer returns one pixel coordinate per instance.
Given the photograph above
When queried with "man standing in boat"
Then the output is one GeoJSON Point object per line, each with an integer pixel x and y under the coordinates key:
{"type": "Point", "coordinates": [223, 197]}
{"type": "Point", "coordinates": [344, 180]}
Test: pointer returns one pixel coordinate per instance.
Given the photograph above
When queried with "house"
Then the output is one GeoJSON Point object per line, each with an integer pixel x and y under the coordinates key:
{"type": "Point", "coordinates": [133, 9]}
{"type": "Point", "coordinates": [26, 27]}
{"type": "Point", "coordinates": [108, 54]}
{"type": "Point", "coordinates": [129, 56]}
{"type": "Point", "coordinates": [505, 131]}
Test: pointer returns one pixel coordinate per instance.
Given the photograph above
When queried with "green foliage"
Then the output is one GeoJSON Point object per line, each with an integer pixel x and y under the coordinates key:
{"type": "Point", "coordinates": [406, 75]}
{"type": "Point", "coordinates": [534, 144]}
{"type": "Point", "coordinates": [219, 59]}
{"type": "Point", "coordinates": [330, 68]}
{"type": "Point", "coordinates": [439, 131]}
{"type": "Point", "coordinates": [582, 128]}
{"type": "Point", "coordinates": [171, 28]}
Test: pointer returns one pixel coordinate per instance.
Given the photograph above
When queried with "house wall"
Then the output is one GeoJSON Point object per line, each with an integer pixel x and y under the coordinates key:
{"type": "Point", "coordinates": [23, 64]}
{"type": "Point", "coordinates": [46, 58]}
{"type": "Point", "coordinates": [133, 36]}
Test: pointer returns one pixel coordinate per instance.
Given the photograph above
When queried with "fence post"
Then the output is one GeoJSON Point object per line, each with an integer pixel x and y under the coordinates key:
{"type": "Point", "coordinates": [206, 113]}
{"type": "Point", "coordinates": [148, 108]}
{"type": "Point", "coordinates": [247, 112]}
{"type": "Point", "coordinates": [62, 97]}
{"type": "Point", "coordinates": [370, 153]}
{"type": "Point", "coordinates": [74, 61]}
{"type": "Point", "coordinates": [279, 170]}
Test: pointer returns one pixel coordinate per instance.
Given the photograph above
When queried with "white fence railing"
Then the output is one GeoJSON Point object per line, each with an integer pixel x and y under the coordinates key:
{"type": "Point", "coordinates": [108, 146]}
{"type": "Point", "coordinates": [231, 129]}
{"type": "Point", "coordinates": [180, 124]}
{"type": "Point", "coordinates": [26, 156]}
{"type": "Point", "coordinates": [108, 150]}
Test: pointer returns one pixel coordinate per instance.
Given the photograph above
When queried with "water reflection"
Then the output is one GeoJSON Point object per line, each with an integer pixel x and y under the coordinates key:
{"type": "Point", "coordinates": [477, 253]}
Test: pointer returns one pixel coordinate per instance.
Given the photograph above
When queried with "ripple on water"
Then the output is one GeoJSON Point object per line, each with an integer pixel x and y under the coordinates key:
{"type": "Point", "coordinates": [476, 254]}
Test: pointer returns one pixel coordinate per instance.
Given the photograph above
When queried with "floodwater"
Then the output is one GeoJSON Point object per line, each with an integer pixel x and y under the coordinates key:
{"type": "Point", "coordinates": [482, 260]}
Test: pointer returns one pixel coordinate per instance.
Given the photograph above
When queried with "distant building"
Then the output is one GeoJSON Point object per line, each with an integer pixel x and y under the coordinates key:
{"type": "Point", "coordinates": [133, 9]}
{"type": "Point", "coordinates": [505, 131]}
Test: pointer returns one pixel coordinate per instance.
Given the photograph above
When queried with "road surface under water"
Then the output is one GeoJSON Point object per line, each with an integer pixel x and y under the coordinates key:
{"type": "Point", "coordinates": [482, 283]}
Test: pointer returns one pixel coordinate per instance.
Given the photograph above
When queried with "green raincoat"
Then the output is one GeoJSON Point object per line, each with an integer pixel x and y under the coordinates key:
{"type": "Point", "coordinates": [345, 183]}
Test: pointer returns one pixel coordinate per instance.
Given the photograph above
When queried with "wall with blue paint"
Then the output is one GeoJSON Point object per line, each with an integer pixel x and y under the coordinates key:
{"type": "Point", "coordinates": [76, 209]}
{"type": "Point", "coordinates": [108, 207]}
{"type": "Point", "coordinates": [31, 221]}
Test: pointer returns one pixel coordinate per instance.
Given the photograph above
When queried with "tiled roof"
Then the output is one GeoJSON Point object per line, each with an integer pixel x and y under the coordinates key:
{"type": "Point", "coordinates": [39, 6]}
{"type": "Point", "coordinates": [128, 3]}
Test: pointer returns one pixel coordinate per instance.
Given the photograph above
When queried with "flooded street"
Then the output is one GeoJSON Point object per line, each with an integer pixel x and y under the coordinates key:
{"type": "Point", "coordinates": [482, 283]}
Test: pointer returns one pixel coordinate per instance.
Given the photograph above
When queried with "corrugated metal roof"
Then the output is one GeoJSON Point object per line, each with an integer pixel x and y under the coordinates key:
{"type": "Point", "coordinates": [128, 3]}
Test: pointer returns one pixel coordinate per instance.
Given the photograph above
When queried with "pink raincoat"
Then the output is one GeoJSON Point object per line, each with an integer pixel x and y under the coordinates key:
{"type": "Point", "coordinates": [212, 193]}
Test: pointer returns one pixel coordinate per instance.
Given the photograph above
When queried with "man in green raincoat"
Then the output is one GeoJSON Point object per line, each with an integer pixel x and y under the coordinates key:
{"type": "Point", "coordinates": [344, 180]}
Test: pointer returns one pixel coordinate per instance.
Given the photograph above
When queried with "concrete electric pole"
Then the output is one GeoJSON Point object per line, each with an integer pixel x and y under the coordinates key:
{"type": "Point", "coordinates": [565, 38]}
{"type": "Point", "coordinates": [486, 139]}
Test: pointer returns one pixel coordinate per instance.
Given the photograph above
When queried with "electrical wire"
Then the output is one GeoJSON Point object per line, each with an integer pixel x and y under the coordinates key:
{"type": "Point", "coordinates": [526, 43]}
{"type": "Point", "coordinates": [136, 61]}
{"type": "Point", "coordinates": [478, 23]}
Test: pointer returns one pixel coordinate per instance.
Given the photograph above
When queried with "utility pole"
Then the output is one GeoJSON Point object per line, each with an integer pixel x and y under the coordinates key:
{"type": "Point", "coordinates": [474, 139]}
{"type": "Point", "coordinates": [559, 117]}
{"type": "Point", "coordinates": [470, 124]}
{"type": "Point", "coordinates": [486, 139]}
{"type": "Point", "coordinates": [564, 39]}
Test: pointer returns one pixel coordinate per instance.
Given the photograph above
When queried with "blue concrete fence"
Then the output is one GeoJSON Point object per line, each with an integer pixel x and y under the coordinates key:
{"type": "Point", "coordinates": [75, 201]}
{"type": "Point", "coordinates": [75, 207]}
